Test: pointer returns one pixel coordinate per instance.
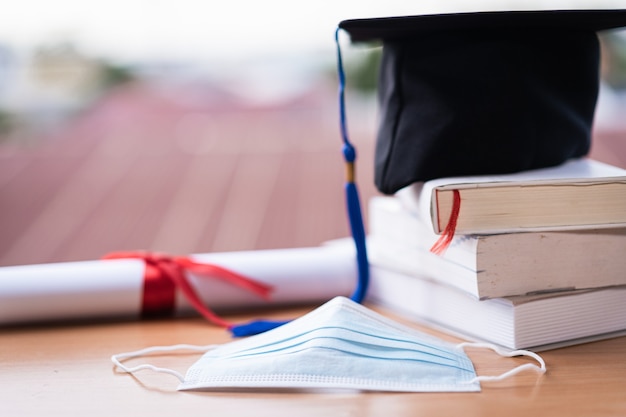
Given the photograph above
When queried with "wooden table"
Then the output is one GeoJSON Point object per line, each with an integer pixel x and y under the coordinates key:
{"type": "Point", "coordinates": [66, 370]}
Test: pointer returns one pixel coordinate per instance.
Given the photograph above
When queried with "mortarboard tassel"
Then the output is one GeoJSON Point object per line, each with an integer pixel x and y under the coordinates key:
{"type": "Point", "coordinates": [353, 210]}
{"type": "Point", "coordinates": [352, 193]}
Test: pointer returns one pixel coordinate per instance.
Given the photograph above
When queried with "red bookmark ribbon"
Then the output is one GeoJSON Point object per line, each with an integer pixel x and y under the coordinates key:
{"type": "Point", "coordinates": [446, 237]}
{"type": "Point", "coordinates": [165, 274]}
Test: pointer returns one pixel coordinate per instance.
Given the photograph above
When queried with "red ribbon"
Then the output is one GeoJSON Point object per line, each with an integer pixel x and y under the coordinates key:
{"type": "Point", "coordinates": [165, 274]}
{"type": "Point", "coordinates": [446, 237]}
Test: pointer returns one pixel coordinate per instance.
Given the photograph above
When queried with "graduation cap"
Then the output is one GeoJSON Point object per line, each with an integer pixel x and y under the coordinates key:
{"type": "Point", "coordinates": [483, 93]}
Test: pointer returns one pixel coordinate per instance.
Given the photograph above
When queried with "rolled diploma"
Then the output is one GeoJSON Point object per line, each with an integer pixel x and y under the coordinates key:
{"type": "Point", "coordinates": [114, 288]}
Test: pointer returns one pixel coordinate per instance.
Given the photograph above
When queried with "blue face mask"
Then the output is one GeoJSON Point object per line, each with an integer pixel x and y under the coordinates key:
{"type": "Point", "coordinates": [340, 345]}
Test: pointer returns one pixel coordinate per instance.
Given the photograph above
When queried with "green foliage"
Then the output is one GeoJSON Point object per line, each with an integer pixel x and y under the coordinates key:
{"type": "Point", "coordinates": [614, 60]}
{"type": "Point", "coordinates": [113, 75]}
{"type": "Point", "coordinates": [362, 75]}
{"type": "Point", "coordinates": [6, 123]}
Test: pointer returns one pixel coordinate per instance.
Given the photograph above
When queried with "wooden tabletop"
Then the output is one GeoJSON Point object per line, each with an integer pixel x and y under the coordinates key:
{"type": "Point", "coordinates": [66, 370]}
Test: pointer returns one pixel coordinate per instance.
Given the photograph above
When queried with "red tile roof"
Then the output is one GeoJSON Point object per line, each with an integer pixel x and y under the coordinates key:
{"type": "Point", "coordinates": [174, 171]}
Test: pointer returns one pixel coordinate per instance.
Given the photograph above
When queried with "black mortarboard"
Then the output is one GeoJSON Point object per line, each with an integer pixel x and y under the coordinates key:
{"type": "Point", "coordinates": [483, 93]}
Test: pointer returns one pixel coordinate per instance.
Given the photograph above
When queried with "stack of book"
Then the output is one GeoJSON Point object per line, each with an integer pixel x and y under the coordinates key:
{"type": "Point", "coordinates": [536, 260]}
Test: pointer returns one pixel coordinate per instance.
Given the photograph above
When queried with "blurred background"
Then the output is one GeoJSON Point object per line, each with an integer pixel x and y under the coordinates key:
{"type": "Point", "coordinates": [190, 126]}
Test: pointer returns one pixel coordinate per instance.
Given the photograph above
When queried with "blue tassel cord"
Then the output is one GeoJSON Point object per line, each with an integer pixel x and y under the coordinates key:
{"type": "Point", "coordinates": [353, 210]}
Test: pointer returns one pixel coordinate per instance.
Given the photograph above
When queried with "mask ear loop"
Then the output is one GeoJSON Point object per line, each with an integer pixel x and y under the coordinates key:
{"type": "Point", "coordinates": [353, 207]}
{"type": "Point", "coordinates": [118, 358]}
{"type": "Point", "coordinates": [509, 354]}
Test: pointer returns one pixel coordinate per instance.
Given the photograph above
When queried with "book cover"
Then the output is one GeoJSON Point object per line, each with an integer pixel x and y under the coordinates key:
{"type": "Point", "coordinates": [578, 194]}
{"type": "Point", "coordinates": [497, 265]}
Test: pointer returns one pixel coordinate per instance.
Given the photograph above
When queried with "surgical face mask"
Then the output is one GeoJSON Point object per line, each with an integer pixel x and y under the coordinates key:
{"type": "Point", "coordinates": [340, 345]}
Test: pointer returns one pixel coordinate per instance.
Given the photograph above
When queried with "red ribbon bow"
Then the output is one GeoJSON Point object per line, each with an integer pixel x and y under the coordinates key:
{"type": "Point", "coordinates": [164, 274]}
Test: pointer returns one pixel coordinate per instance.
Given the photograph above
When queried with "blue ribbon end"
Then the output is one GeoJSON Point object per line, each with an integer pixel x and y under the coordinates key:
{"type": "Point", "coordinates": [255, 327]}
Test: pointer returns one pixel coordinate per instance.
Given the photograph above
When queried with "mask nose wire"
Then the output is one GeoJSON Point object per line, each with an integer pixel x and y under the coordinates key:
{"type": "Point", "coordinates": [353, 204]}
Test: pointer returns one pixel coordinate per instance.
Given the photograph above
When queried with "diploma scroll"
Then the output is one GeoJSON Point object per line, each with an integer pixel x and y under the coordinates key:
{"type": "Point", "coordinates": [114, 288]}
